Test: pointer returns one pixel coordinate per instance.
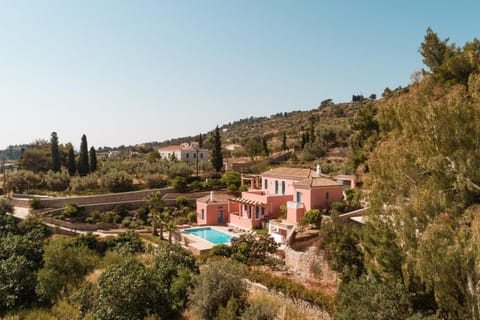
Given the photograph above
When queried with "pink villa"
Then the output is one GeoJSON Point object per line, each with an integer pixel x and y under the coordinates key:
{"type": "Point", "coordinates": [297, 188]}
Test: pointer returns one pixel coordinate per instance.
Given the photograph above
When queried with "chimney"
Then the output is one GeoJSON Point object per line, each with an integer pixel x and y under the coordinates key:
{"type": "Point", "coordinates": [212, 198]}
{"type": "Point", "coordinates": [319, 170]}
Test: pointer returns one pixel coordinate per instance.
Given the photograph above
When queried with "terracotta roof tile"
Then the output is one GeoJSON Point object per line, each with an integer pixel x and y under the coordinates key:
{"type": "Point", "coordinates": [289, 173]}
{"type": "Point", "coordinates": [317, 182]}
{"type": "Point", "coordinates": [217, 198]}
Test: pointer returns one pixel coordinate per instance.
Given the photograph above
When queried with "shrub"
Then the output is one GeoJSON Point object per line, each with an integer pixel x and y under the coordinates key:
{"type": "Point", "coordinates": [221, 250]}
{"type": "Point", "coordinates": [192, 217]}
{"type": "Point", "coordinates": [57, 181]}
{"type": "Point", "coordinates": [117, 218]}
{"type": "Point", "coordinates": [85, 183]}
{"type": "Point", "coordinates": [72, 210]}
{"type": "Point", "coordinates": [107, 217]}
{"type": "Point", "coordinates": [35, 203]}
{"type": "Point", "coordinates": [179, 184]}
{"type": "Point", "coordinates": [181, 202]}
{"type": "Point", "coordinates": [89, 220]}
{"type": "Point", "coordinates": [95, 215]}
{"type": "Point", "coordinates": [116, 181]}
{"type": "Point", "coordinates": [154, 180]}
{"type": "Point", "coordinates": [292, 289]}
{"type": "Point", "coordinates": [142, 213]}
{"type": "Point", "coordinates": [314, 217]}
{"type": "Point", "coordinates": [126, 222]}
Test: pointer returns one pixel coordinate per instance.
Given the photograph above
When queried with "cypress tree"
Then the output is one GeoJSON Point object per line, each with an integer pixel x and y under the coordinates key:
{"type": "Point", "coordinates": [83, 167]}
{"type": "Point", "coordinates": [54, 151]}
{"type": "Point", "coordinates": [200, 141]}
{"type": "Point", "coordinates": [72, 168]}
{"type": "Point", "coordinates": [217, 157]}
{"type": "Point", "coordinates": [93, 159]}
{"type": "Point", "coordinates": [265, 147]}
{"type": "Point", "coordinates": [284, 141]}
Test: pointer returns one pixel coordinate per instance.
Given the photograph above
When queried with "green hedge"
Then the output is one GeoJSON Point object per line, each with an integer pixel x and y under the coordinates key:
{"type": "Point", "coordinates": [293, 289]}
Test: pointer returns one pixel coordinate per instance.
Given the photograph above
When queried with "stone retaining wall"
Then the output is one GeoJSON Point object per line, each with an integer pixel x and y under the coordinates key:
{"type": "Point", "coordinates": [310, 311]}
{"type": "Point", "coordinates": [80, 226]}
{"type": "Point", "coordinates": [136, 197]}
{"type": "Point", "coordinates": [310, 263]}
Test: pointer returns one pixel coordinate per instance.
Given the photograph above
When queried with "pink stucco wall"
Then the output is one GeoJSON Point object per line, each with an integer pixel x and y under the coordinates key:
{"type": "Point", "coordinates": [295, 213]}
{"type": "Point", "coordinates": [211, 213]}
{"type": "Point", "coordinates": [289, 188]}
{"type": "Point", "coordinates": [244, 222]}
{"type": "Point", "coordinates": [316, 198]}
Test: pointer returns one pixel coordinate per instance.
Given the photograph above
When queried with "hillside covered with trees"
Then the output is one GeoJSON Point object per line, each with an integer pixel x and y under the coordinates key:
{"type": "Point", "coordinates": [417, 257]}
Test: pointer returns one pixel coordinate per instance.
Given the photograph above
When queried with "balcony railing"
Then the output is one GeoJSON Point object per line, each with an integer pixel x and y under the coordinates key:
{"type": "Point", "coordinates": [294, 205]}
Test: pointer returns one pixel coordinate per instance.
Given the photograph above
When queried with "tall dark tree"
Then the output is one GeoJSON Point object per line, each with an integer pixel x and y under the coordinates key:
{"type": "Point", "coordinates": [72, 168]}
{"type": "Point", "coordinates": [93, 159]}
{"type": "Point", "coordinates": [284, 141]}
{"type": "Point", "coordinates": [54, 151]}
{"type": "Point", "coordinates": [83, 166]}
{"type": "Point", "coordinates": [266, 152]}
{"type": "Point", "coordinates": [200, 141]}
{"type": "Point", "coordinates": [217, 156]}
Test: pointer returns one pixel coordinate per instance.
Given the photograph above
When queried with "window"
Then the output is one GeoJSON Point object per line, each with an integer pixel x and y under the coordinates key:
{"type": "Point", "coordinates": [194, 156]}
{"type": "Point", "coordinates": [249, 212]}
{"type": "Point", "coordinates": [326, 195]}
{"type": "Point", "coordinates": [299, 197]}
{"type": "Point", "coordinates": [263, 211]}
{"type": "Point", "coordinates": [276, 187]}
{"type": "Point", "coordinates": [201, 155]}
{"type": "Point", "coordinates": [283, 187]}
{"type": "Point", "coordinates": [187, 155]}
{"type": "Point", "coordinates": [257, 213]}
{"type": "Point", "coordinates": [203, 214]}
{"type": "Point", "coordinates": [265, 184]}
{"type": "Point", "coordinates": [245, 207]}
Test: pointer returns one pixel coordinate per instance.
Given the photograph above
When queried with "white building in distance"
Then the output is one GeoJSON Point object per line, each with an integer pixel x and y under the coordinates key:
{"type": "Point", "coordinates": [185, 152]}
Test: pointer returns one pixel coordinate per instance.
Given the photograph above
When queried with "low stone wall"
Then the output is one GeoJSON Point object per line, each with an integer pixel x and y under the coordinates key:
{"type": "Point", "coordinates": [357, 213]}
{"type": "Point", "coordinates": [310, 311]}
{"type": "Point", "coordinates": [100, 199]}
{"type": "Point", "coordinates": [310, 263]}
{"type": "Point", "coordinates": [80, 226]}
{"type": "Point", "coordinates": [134, 197]}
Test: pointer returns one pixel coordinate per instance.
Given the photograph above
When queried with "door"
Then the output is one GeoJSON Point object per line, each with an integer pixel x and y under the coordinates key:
{"type": "Point", "coordinates": [220, 216]}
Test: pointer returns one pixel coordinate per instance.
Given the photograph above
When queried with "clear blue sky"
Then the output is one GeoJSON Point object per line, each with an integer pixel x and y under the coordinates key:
{"type": "Point", "coordinates": [127, 72]}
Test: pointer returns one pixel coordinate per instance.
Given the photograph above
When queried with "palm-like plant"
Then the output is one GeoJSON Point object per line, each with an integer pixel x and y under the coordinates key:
{"type": "Point", "coordinates": [156, 206]}
{"type": "Point", "coordinates": [171, 227]}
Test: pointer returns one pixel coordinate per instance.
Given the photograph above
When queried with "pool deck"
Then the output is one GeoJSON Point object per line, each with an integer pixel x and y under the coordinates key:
{"type": "Point", "coordinates": [200, 246]}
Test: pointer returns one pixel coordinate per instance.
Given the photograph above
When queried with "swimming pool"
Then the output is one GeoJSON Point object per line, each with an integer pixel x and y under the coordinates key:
{"type": "Point", "coordinates": [211, 235]}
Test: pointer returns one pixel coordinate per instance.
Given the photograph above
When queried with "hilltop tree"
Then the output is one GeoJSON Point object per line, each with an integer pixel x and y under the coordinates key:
{"type": "Point", "coordinates": [217, 156]}
{"type": "Point", "coordinates": [83, 166]}
{"type": "Point", "coordinates": [72, 168]}
{"type": "Point", "coordinates": [54, 151]}
{"type": "Point", "coordinates": [434, 50]}
{"type": "Point", "coordinates": [93, 159]}
{"type": "Point", "coordinates": [200, 141]}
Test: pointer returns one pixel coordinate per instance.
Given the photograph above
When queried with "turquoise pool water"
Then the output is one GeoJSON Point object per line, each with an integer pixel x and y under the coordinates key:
{"type": "Point", "coordinates": [211, 235]}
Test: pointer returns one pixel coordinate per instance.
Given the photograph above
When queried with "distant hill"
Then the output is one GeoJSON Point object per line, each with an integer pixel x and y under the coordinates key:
{"type": "Point", "coordinates": [294, 123]}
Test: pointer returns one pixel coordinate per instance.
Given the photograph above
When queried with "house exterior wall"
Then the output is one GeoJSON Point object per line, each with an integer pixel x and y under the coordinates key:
{"type": "Point", "coordinates": [268, 185]}
{"type": "Point", "coordinates": [211, 213]}
{"type": "Point", "coordinates": [243, 221]}
{"type": "Point", "coordinates": [295, 212]}
{"type": "Point", "coordinates": [316, 198]}
{"type": "Point", "coordinates": [186, 154]}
